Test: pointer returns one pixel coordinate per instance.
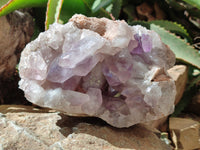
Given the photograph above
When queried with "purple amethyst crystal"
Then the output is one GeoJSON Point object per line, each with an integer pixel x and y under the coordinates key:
{"type": "Point", "coordinates": [99, 67]}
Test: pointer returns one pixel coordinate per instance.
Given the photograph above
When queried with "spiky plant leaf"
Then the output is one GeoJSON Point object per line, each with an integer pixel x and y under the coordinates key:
{"type": "Point", "coordinates": [7, 6]}
{"type": "Point", "coordinates": [195, 3]}
{"type": "Point", "coordinates": [116, 8]}
{"type": "Point", "coordinates": [53, 12]}
{"type": "Point", "coordinates": [177, 6]}
{"type": "Point", "coordinates": [182, 50]}
{"type": "Point", "coordinates": [88, 3]}
{"type": "Point", "coordinates": [130, 11]}
{"type": "Point", "coordinates": [167, 25]}
{"type": "Point", "coordinates": [69, 7]}
{"type": "Point", "coordinates": [174, 28]}
{"type": "Point", "coordinates": [98, 4]}
{"type": "Point", "coordinates": [139, 22]}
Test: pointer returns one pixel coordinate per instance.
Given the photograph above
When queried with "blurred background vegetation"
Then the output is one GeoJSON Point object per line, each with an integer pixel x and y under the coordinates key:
{"type": "Point", "coordinates": [176, 21]}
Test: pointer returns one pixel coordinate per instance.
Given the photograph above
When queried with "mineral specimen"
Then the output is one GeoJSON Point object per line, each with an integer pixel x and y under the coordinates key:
{"type": "Point", "coordinates": [99, 67]}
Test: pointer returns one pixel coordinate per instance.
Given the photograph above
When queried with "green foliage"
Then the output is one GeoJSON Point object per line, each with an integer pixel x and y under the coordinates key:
{"type": "Point", "coordinates": [71, 7]}
{"type": "Point", "coordinates": [179, 6]}
{"type": "Point", "coordinates": [7, 6]}
{"type": "Point", "coordinates": [104, 8]}
{"type": "Point", "coordinates": [173, 27]}
{"type": "Point", "coordinates": [117, 8]}
{"type": "Point", "coordinates": [98, 4]}
{"type": "Point", "coordinates": [129, 10]}
{"type": "Point", "coordinates": [53, 12]}
{"type": "Point", "coordinates": [3, 2]}
{"type": "Point", "coordinates": [182, 50]}
{"type": "Point", "coordinates": [175, 5]}
{"type": "Point", "coordinates": [142, 23]}
{"type": "Point", "coordinates": [88, 3]}
{"type": "Point", "coordinates": [183, 11]}
{"type": "Point", "coordinates": [195, 3]}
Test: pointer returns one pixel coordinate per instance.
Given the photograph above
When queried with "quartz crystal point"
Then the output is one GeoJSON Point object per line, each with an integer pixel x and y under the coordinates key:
{"type": "Point", "coordinates": [99, 67]}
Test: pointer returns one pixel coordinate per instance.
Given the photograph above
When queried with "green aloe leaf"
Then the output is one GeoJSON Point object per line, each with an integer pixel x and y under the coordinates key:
{"type": "Point", "coordinates": [98, 4]}
{"type": "Point", "coordinates": [53, 12]}
{"type": "Point", "coordinates": [177, 6]}
{"type": "Point", "coordinates": [7, 6]}
{"type": "Point", "coordinates": [116, 8]}
{"type": "Point", "coordinates": [71, 7]}
{"type": "Point", "coordinates": [167, 25]}
{"type": "Point", "coordinates": [195, 3]}
{"type": "Point", "coordinates": [174, 28]}
{"type": "Point", "coordinates": [139, 22]}
{"type": "Point", "coordinates": [88, 3]}
{"type": "Point", "coordinates": [130, 11]}
{"type": "Point", "coordinates": [182, 50]}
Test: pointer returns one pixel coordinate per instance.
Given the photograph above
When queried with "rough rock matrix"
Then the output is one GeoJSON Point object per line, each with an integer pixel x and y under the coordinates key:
{"type": "Point", "coordinates": [99, 67]}
{"type": "Point", "coordinates": [16, 30]}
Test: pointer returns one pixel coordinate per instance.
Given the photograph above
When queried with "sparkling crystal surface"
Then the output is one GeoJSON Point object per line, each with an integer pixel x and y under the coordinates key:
{"type": "Point", "coordinates": [99, 67]}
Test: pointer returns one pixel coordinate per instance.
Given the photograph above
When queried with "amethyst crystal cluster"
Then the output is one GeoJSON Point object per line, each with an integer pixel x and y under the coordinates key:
{"type": "Point", "coordinates": [99, 67]}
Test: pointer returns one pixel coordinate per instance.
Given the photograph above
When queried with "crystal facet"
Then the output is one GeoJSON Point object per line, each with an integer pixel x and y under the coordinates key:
{"type": "Point", "coordinates": [99, 67]}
